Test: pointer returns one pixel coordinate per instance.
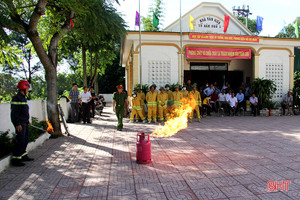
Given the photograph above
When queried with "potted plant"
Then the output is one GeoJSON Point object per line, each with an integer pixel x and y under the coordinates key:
{"type": "Point", "coordinates": [264, 88]}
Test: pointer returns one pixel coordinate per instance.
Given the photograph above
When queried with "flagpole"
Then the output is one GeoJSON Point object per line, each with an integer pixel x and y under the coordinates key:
{"type": "Point", "coordinates": [140, 54]}
{"type": "Point", "coordinates": [181, 69]}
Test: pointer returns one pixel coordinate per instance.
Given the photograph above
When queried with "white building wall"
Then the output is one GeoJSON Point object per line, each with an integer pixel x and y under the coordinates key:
{"type": "Point", "coordinates": [159, 65]}
{"type": "Point", "coordinates": [275, 65]}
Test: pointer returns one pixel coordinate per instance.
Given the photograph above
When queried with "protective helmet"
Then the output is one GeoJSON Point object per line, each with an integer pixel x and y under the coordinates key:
{"type": "Point", "coordinates": [194, 85]}
{"type": "Point", "coordinates": [170, 103]}
{"type": "Point", "coordinates": [22, 85]}
{"type": "Point", "coordinates": [153, 85]}
{"type": "Point", "coordinates": [161, 88]}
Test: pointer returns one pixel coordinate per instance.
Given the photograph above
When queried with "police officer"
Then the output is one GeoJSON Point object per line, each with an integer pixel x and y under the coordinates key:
{"type": "Point", "coordinates": [119, 103]}
{"type": "Point", "coordinates": [20, 119]}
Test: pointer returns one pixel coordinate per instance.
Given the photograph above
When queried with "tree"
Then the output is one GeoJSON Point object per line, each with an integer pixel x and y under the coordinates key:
{"type": "Point", "coordinates": [290, 30]}
{"type": "Point", "coordinates": [157, 9]}
{"type": "Point", "coordinates": [251, 24]}
{"type": "Point", "coordinates": [45, 23]}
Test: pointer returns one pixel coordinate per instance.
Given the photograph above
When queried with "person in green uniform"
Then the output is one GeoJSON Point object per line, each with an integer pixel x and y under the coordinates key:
{"type": "Point", "coordinates": [119, 102]}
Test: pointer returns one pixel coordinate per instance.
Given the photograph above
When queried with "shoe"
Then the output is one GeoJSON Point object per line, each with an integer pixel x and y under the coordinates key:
{"type": "Point", "coordinates": [149, 122]}
{"type": "Point", "coordinates": [17, 163]}
{"type": "Point", "coordinates": [26, 158]}
{"type": "Point", "coordinates": [84, 122]}
{"type": "Point", "coordinates": [130, 122]}
{"type": "Point", "coordinates": [136, 121]}
{"type": "Point", "coordinates": [199, 120]}
{"type": "Point", "coordinates": [145, 121]}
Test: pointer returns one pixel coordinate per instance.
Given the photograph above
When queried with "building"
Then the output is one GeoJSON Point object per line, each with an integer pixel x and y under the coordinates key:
{"type": "Point", "coordinates": [208, 55]}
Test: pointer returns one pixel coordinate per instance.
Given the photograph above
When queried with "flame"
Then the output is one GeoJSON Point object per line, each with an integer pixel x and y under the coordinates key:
{"type": "Point", "coordinates": [179, 119]}
{"type": "Point", "coordinates": [49, 128]}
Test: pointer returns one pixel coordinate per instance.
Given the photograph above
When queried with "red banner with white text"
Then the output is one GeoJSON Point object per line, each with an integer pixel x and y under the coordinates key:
{"type": "Point", "coordinates": [218, 53]}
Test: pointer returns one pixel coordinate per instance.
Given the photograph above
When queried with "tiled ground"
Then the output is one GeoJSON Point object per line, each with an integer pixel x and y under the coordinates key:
{"type": "Point", "coordinates": [219, 158]}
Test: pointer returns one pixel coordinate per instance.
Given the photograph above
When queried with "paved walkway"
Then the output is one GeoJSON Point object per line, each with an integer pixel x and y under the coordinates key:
{"type": "Point", "coordinates": [219, 158]}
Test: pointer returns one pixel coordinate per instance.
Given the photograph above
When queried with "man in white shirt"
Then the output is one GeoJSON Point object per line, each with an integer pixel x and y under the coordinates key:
{"type": "Point", "coordinates": [288, 104]}
{"type": "Point", "coordinates": [233, 102]}
{"type": "Point", "coordinates": [222, 100]}
{"type": "Point", "coordinates": [254, 104]}
{"type": "Point", "coordinates": [85, 98]}
{"type": "Point", "coordinates": [209, 91]}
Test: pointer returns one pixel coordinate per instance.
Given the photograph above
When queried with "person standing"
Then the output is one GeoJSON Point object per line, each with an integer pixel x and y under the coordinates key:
{"type": "Point", "coordinates": [20, 118]}
{"type": "Point", "coordinates": [142, 95]}
{"type": "Point", "coordinates": [177, 96]}
{"type": "Point", "coordinates": [73, 95]}
{"type": "Point", "coordinates": [92, 102]}
{"type": "Point", "coordinates": [119, 103]}
{"type": "Point", "coordinates": [288, 104]}
{"type": "Point", "coordinates": [169, 92]}
{"type": "Point", "coordinates": [137, 110]}
{"type": "Point", "coordinates": [151, 99]}
{"type": "Point", "coordinates": [85, 98]}
{"type": "Point", "coordinates": [185, 92]}
{"type": "Point", "coordinates": [162, 99]}
{"type": "Point", "coordinates": [195, 96]}
{"type": "Point", "coordinates": [189, 86]}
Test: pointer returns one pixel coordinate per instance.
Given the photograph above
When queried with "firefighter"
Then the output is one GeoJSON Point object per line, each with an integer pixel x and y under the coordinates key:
{"type": "Point", "coordinates": [162, 99]}
{"type": "Point", "coordinates": [185, 93]}
{"type": "Point", "coordinates": [177, 96]}
{"type": "Point", "coordinates": [169, 92]}
{"type": "Point", "coordinates": [119, 103]}
{"type": "Point", "coordinates": [20, 119]}
{"type": "Point", "coordinates": [137, 110]}
{"type": "Point", "coordinates": [142, 95]}
{"type": "Point", "coordinates": [151, 99]}
{"type": "Point", "coordinates": [195, 96]}
{"type": "Point", "coordinates": [170, 110]}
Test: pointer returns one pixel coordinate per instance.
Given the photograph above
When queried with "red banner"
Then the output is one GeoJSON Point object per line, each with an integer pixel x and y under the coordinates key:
{"type": "Point", "coordinates": [236, 38]}
{"type": "Point", "coordinates": [219, 53]}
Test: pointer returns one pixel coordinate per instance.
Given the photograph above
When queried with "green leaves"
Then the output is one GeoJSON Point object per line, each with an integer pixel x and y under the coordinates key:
{"type": "Point", "coordinates": [263, 88]}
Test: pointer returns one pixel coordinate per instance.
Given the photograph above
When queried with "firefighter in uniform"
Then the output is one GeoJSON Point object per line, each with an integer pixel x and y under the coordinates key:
{"type": "Point", "coordinates": [119, 103]}
{"type": "Point", "coordinates": [170, 110]}
{"type": "Point", "coordinates": [185, 94]}
{"type": "Point", "coordinates": [195, 96]}
{"type": "Point", "coordinates": [137, 110]}
{"type": "Point", "coordinates": [162, 99]}
{"type": "Point", "coordinates": [151, 99]}
{"type": "Point", "coordinates": [20, 119]}
{"type": "Point", "coordinates": [177, 97]}
{"type": "Point", "coordinates": [141, 94]}
{"type": "Point", "coordinates": [169, 92]}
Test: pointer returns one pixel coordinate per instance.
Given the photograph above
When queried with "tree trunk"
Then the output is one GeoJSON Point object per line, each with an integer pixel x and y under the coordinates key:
{"type": "Point", "coordinates": [94, 76]}
{"type": "Point", "coordinates": [91, 70]}
{"type": "Point", "coordinates": [96, 85]}
{"type": "Point", "coordinates": [84, 65]}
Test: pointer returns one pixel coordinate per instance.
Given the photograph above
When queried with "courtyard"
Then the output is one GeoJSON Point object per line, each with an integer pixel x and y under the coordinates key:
{"type": "Point", "coordinates": [219, 158]}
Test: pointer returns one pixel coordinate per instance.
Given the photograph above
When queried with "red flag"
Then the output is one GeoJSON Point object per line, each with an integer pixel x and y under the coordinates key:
{"type": "Point", "coordinates": [226, 23]}
{"type": "Point", "coordinates": [71, 23]}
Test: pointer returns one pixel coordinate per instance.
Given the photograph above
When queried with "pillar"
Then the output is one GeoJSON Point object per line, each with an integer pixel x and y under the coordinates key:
{"type": "Point", "coordinates": [256, 66]}
{"type": "Point", "coordinates": [292, 68]}
{"type": "Point", "coordinates": [135, 69]}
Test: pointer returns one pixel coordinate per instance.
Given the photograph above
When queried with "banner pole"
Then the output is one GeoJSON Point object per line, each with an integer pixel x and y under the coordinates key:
{"type": "Point", "coordinates": [180, 80]}
{"type": "Point", "coordinates": [140, 35]}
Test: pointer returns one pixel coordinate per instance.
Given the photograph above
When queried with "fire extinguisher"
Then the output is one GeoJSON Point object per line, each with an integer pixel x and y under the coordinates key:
{"type": "Point", "coordinates": [143, 148]}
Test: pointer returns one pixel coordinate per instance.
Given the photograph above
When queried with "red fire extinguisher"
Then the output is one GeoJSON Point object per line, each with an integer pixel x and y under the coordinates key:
{"type": "Point", "coordinates": [143, 149]}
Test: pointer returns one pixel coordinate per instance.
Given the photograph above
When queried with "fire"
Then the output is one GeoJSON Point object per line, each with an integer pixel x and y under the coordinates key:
{"type": "Point", "coordinates": [178, 121]}
{"type": "Point", "coordinates": [49, 128]}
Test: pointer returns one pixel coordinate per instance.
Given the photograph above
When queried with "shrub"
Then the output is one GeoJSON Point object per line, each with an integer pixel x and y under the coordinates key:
{"type": "Point", "coordinates": [6, 144]}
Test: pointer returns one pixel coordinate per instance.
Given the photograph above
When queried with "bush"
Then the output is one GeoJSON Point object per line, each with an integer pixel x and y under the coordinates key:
{"type": "Point", "coordinates": [263, 89]}
{"type": "Point", "coordinates": [34, 133]}
{"type": "Point", "coordinates": [6, 144]}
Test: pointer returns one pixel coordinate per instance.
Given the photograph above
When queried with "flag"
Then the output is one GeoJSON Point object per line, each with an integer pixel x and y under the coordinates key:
{"type": "Point", "coordinates": [259, 22]}
{"type": "Point", "coordinates": [296, 29]}
{"type": "Point", "coordinates": [226, 23]}
{"type": "Point", "coordinates": [191, 24]}
{"type": "Point", "coordinates": [284, 30]}
{"type": "Point", "coordinates": [155, 20]}
{"type": "Point", "coordinates": [137, 18]}
{"type": "Point", "coordinates": [71, 23]}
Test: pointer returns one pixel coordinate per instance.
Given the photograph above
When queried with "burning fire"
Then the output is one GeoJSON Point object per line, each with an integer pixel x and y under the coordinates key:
{"type": "Point", "coordinates": [49, 128]}
{"type": "Point", "coordinates": [178, 121]}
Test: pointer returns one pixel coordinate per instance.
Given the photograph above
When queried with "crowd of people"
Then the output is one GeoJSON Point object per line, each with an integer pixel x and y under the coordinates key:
{"type": "Point", "coordinates": [208, 99]}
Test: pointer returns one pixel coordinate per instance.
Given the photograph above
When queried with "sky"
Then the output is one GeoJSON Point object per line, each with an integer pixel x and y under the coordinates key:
{"type": "Point", "coordinates": [274, 12]}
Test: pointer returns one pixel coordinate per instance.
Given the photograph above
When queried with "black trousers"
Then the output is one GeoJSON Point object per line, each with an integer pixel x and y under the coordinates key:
{"type": "Point", "coordinates": [254, 109]}
{"type": "Point", "coordinates": [75, 112]}
{"type": "Point", "coordinates": [92, 105]}
{"type": "Point", "coordinates": [208, 108]}
{"type": "Point", "coordinates": [21, 142]}
{"type": "Point", "coordinates": [86, 112]}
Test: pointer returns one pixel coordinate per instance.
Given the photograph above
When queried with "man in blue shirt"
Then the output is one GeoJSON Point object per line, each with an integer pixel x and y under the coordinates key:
{"type": "Point", "coordinates": [209, 91]}
{"type": "Point", "coordinates": [73, 95]}
{"type": "Point", "coordinates": [241, 100]}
